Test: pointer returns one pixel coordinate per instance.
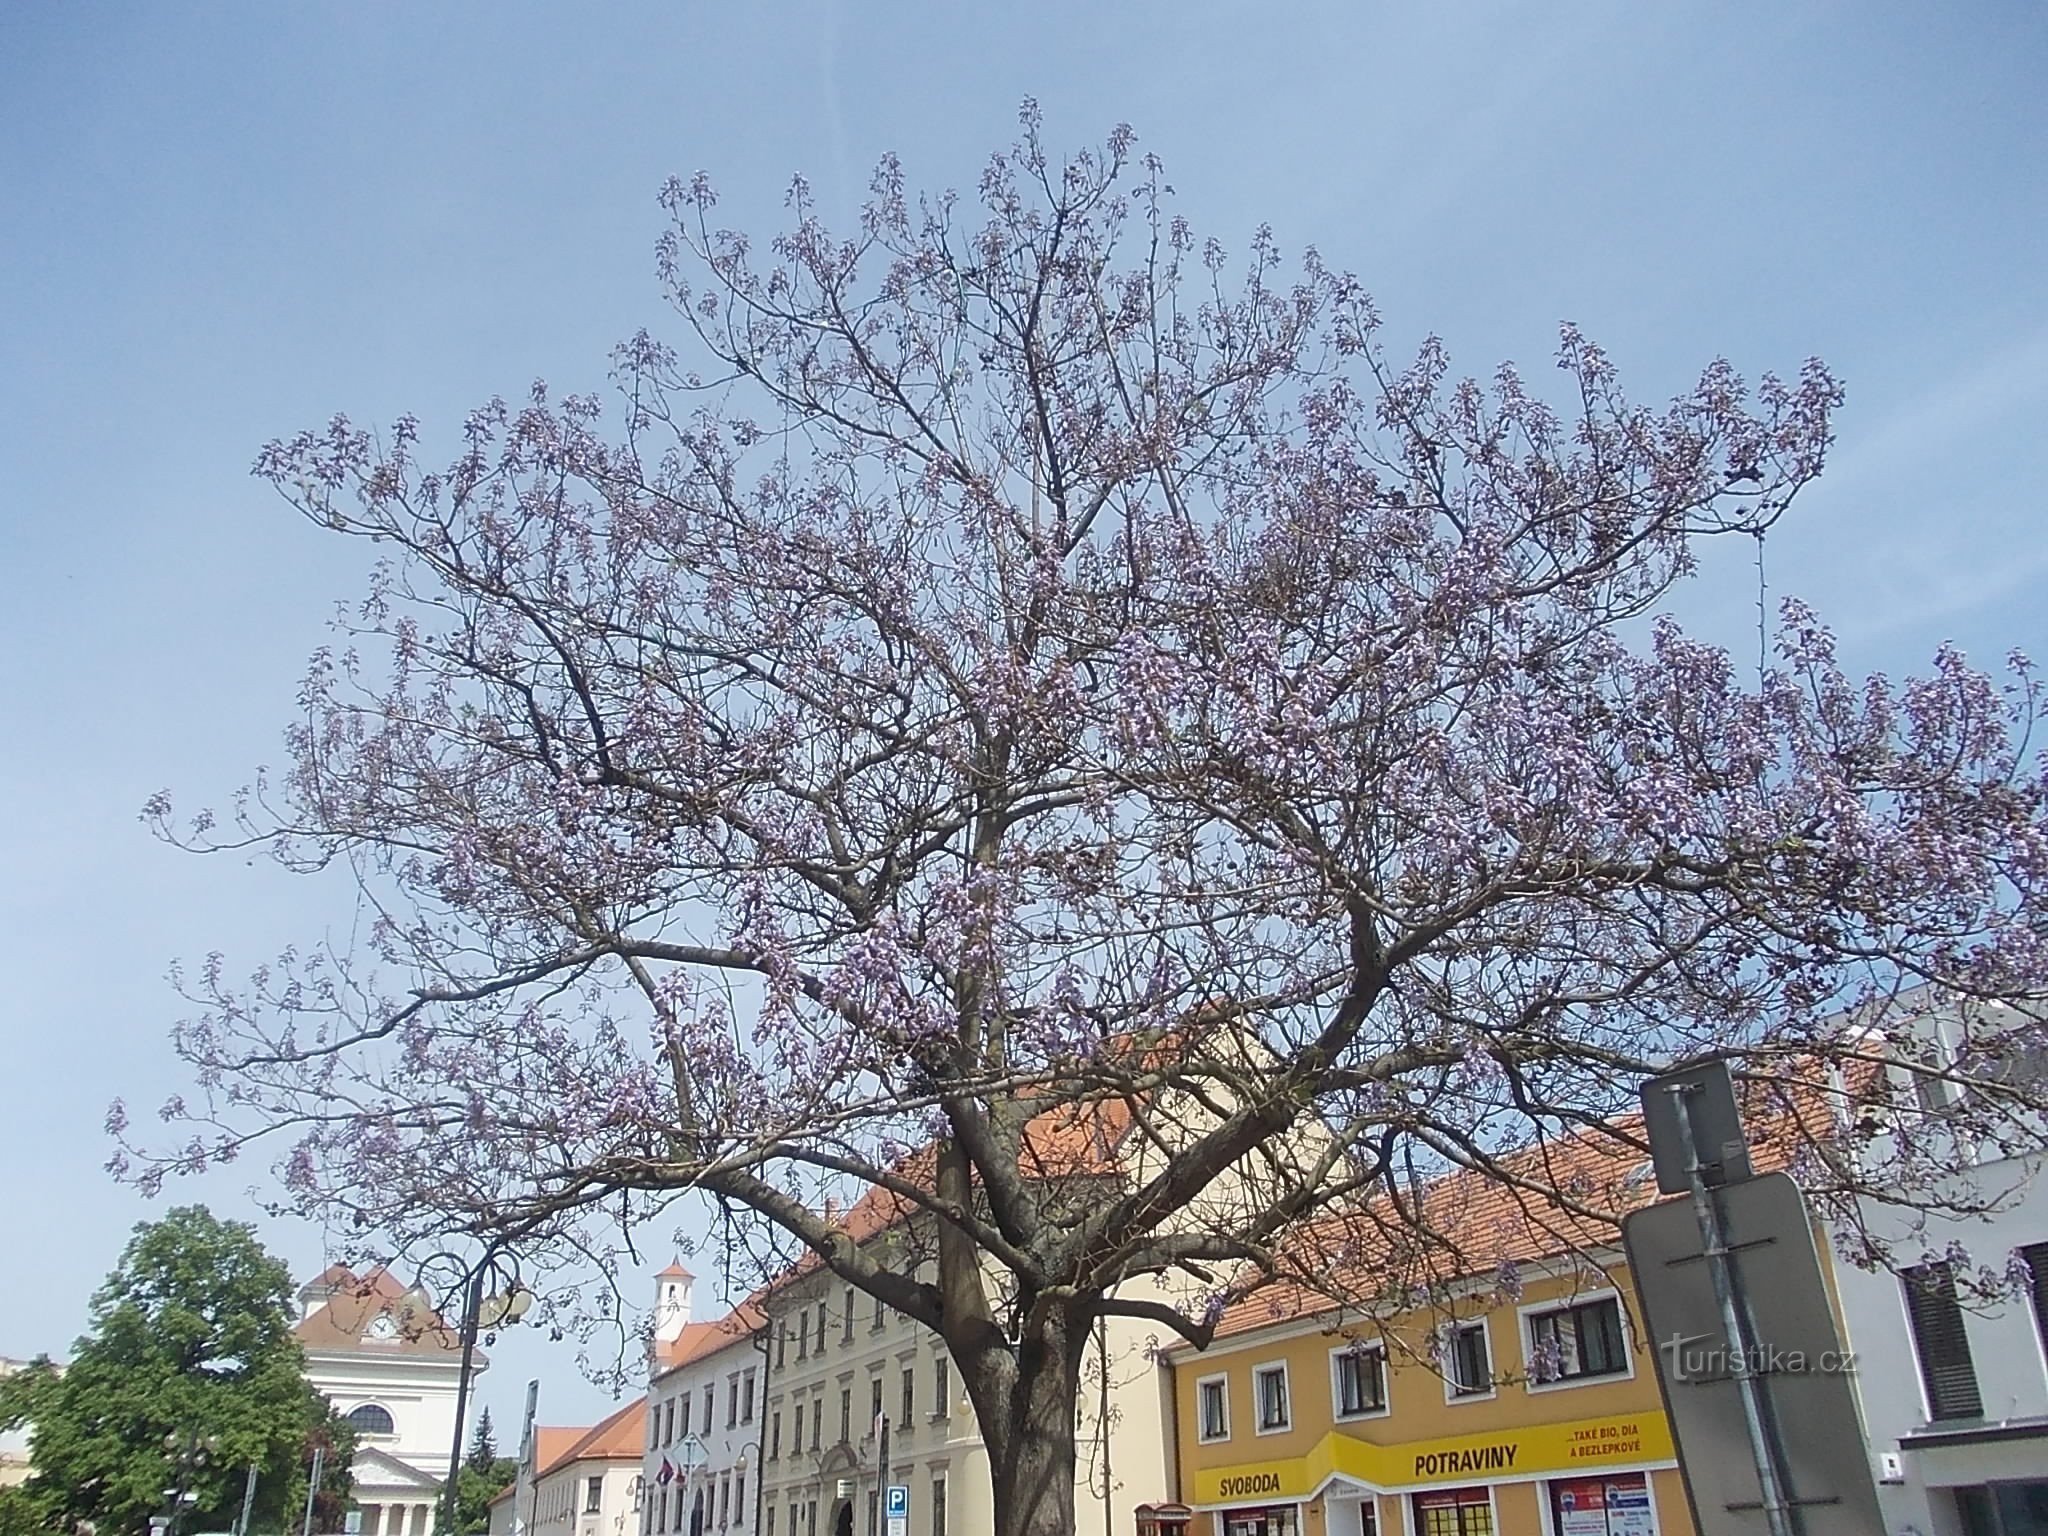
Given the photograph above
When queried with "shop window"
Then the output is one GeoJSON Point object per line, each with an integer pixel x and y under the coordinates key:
{"type": "Point", "coordinates": [1603, 1506]}
{"type": "Point", "coordinates": [1212, 1408]}
{"type": "Point", "coordinates": [1269, 1392]}
{"type": "Point", "coordinates": [1279, 1520]}
{"type": "Point", "coordinates": [1577, 1342]}
{"type": "Point", "coordinates": [1454, 1512]}
{"type": "Point", "coordinates": [2003, 1509]}
{"type": "Point", "coordinates": [1468, 1361]}
{"type": "Point", "coordinates": [1361, 1380]}
{"type": "Point", "coordinates": [1941, 1343]}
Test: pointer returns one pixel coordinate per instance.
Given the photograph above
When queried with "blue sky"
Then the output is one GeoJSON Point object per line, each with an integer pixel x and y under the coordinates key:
{"type": "Point", "coordinates": [227, 222]}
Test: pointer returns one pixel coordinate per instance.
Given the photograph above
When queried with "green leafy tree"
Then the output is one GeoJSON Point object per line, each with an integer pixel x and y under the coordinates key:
{"type": "Point", "coordinates": [484, 1473]}
{"type": "Point", "coordinates": [190, 1339]}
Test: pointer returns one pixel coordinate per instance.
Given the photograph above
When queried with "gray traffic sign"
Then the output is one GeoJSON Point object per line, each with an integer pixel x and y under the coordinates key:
{"type": "Point", "coordinates": [1795, 1354]}
{"type": "Point", "coordinates": [1709, 1092]}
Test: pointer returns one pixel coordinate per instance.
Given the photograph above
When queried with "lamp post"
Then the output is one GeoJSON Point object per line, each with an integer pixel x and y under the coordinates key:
{"type": "Point", "coordinates": [189, 1451]}
{"type": "Point", "coordinates": [492, 1297]}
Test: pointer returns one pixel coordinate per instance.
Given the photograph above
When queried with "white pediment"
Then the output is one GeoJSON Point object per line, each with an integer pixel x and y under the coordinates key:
{"type": "Point", "coordinates": [380, 1469]}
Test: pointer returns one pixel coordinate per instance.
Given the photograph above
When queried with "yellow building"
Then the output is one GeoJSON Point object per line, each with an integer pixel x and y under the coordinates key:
{"type": "Point", "coordinates": [1509, 1390]}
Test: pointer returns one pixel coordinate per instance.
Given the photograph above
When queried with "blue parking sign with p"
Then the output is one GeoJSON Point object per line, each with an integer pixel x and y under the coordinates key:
{"type": "Point", "coordinates": [899, 1501]}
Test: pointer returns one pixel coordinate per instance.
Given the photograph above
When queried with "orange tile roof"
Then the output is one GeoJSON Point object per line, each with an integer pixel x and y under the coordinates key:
{"type": "Point", "coordinates": [353, 1304]}
{"type": "Point", "coordinates": [619, 1436]}
{"type": "Point", "coordinates": [551, 1442]}
{"type": "Point", "coordinates": [1559, 1199]}
{"type": "Point", "coordinates": [700, 1339]}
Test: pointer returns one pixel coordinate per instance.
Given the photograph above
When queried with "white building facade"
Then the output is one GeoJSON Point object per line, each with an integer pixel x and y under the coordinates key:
{"type": "Point", "coordinates": [702, 1454]}
{"type": "Point", "coordinates": [1953, 1384]}
{"type": "Point", "coordinates": [390, 1365]}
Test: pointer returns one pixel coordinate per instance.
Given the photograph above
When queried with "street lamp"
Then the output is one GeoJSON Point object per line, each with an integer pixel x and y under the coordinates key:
{"type": "Point", "coordinates": [189, 1452]}
{"type": "Point", "coordinates": [493, 1297]}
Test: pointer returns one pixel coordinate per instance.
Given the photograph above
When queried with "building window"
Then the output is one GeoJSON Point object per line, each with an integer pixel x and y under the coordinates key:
{"type": "Point", "coordinates": [875, 1405]}
{"type": "Point", "coordinates": [593, 1495]}
{"type": "Point", "coordinates": [1269, 1392]}
{"type": "Point", "coordinates": [1361, 1380]}
{"type": "Point", "coordinates": [845, 1415]}
{"type": "Point", "coordinates": [769, 1528]}
{"type": "Point", "coordinates": [370, 1419]}
{"type": "Point", "coordinates": [940, 1407]}
{"type": "Point", "coordinates": [817, 1422]}
{"type": "Point", "coordinates": [874, 1512]}
{"type": "Point", "coordinates": [1942, 1343]}
{"type": "Point", "coordinates": [1454, 1512]}
{"type": "Point", "coordinates": [793, 1512]}
{"type": "Point", "coordinates": [811, 1517]}
{"type": "Point", "coordinates": [881, 1313]}
{"type": "Point", "coordinates": [725, 1498]}
{"type": "Point", "coordinates": [710, 1406]}
{"type": "Point", "coordinates": [781, 1347]}
{"type": "Point", "coordinates": [775, 1435]}
{"type": "Point", "coordinates": [846, 1322]}
{"type": "Point", "coordinates": [1212, 1408]}
{"type": "Point", "coordinates": [1576, 1342]}
{"type": "Point", "coordinates": [1468, 1363]}
{"type": "Point", "coordinates": [938, 1506]}
{"type": "Point", "coordinates": [821, 1327]}
{"type": "Point", "coordinates": [732, 1399]}
{"type": "Point", "coordinates": [682, 1424]}
{"type": "Point", "coordinates": [747, 1397]}
{"type": "Point", "coordinates": [639, 1487]}
{"type": "Point", "coordinates": [909, 1394]}
{"type": "Point", "coordinates": [739, 1498]}
{"type": "Point", "coordinates": [803, 1334]}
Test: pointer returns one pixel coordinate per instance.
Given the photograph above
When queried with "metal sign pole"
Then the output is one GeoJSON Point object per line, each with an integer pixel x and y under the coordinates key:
{"type": "Point", "coordinates": [248, 1502]}
{"type": "Point", "coordinates": [312, 1488]}
{"type": "Point", "coordinates": [1779, 1513]}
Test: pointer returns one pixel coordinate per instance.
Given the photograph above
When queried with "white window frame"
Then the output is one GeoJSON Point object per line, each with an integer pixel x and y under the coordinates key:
{"type": "Point", "coordinates": [1202, 1436]}
{"type": "Point", "coordinates": [1258, 1406]}
{"type": "Point", "coordinates": [1449, 1358]}
{"type": "Point", "coordinates": [1360, 1347]}
{"type": "Point", "coordinates": [1526, 1317]}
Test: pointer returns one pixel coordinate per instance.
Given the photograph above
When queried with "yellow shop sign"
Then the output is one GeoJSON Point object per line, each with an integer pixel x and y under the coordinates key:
{"type": "Point", "coordinates": [1624, 1440]}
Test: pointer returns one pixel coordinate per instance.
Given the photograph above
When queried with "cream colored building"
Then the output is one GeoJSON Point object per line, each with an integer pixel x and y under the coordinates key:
{"type": "Point", "coordinates": [584, 1482]}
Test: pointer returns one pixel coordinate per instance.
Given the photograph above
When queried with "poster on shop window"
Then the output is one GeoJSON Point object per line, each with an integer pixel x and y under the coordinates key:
{"type": "Point", "coordinates": [1604, 1507]}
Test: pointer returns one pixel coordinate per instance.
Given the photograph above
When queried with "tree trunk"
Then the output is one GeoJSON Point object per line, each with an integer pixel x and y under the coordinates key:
{"type": "Point", "coordinates": [1029, 1431]}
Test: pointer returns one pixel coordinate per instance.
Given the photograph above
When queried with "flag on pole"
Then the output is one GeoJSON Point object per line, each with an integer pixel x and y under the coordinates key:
{"type": "Point", "coordinates": [667, 1474]}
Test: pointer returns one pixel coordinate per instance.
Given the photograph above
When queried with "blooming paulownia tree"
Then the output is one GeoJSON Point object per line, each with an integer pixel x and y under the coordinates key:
{"type": "Point", "coordinates": [1018, 659]}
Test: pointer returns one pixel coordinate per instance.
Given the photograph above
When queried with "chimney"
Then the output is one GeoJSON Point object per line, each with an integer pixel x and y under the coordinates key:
{"type": "Point", "coordinates": [671, 1303]}
{"type": "Point", "coordinates": [831, 1212]}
